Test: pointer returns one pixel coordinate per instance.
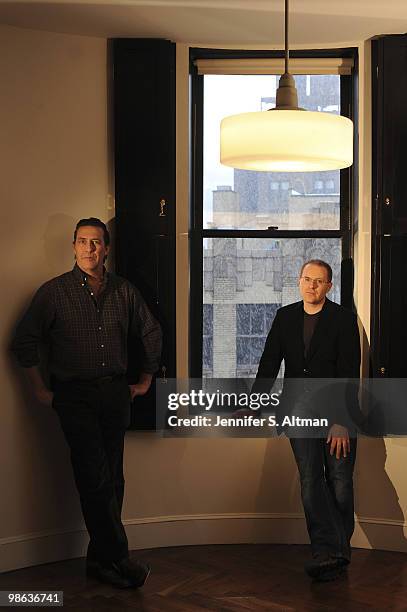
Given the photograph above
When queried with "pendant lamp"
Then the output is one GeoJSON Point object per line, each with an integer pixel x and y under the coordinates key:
{"type": "Point", "coordinates": [286, 138]}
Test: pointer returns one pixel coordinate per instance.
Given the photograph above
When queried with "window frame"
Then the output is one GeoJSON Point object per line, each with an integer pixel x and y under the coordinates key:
{"type": "Point", "coordinates": [347, 200]}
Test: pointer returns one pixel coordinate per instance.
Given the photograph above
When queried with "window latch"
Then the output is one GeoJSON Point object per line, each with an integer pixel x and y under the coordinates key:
{"type": "Point", "coordinates": [162, 205]}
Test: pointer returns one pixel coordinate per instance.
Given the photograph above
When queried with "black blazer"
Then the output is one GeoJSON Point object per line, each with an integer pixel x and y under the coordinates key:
{"type": "Point", "coordinates": [334, 352]}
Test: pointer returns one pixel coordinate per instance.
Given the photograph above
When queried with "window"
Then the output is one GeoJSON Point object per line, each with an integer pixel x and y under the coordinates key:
{"type": "Point", "coordinates": [253, 322]}
{"type": "Point", "coordinates": [253, 230]}
{"type": "Point", "coordinates": [245, 281]}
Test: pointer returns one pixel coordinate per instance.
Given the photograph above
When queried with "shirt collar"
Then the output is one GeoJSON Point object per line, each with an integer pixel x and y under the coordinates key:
{"type": "Point", "coordinates": [81, 276]}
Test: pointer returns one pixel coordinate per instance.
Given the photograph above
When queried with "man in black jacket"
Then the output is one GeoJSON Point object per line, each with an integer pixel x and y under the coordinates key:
{"type": "Point", "coordinates": [317, 338]}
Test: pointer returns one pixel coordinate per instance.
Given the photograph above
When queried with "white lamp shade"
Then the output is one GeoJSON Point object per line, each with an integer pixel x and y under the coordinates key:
{"type": "Point", "coordinates": [286, 141]}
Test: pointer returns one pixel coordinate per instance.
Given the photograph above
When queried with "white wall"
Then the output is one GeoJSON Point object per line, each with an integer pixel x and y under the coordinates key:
{"type": "Point", "coordinates": [53, 159]}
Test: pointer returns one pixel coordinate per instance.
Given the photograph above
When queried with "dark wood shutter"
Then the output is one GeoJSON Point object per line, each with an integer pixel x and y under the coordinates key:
{"type": "Point", "coordinates": [144, 151]}
{"type": "Point", "coordinates": [389, 189]}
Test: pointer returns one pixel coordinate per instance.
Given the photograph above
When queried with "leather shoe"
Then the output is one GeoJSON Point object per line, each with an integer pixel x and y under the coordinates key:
{"type": "Point", "coordinates": [325, 567]}
{"type": "Point", "coordinates": [330, 575]}
{"type": "Point", "coordinates": [109, 575]}
{"type": "Point", "coordinates": [134, 571]}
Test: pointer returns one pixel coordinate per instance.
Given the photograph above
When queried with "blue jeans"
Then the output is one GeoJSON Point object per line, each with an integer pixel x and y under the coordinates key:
{"type": "Point", "coordinates": [327, 495]}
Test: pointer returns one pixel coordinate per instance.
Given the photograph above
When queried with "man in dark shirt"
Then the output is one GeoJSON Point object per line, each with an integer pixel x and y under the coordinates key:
{"type": "Point", "coordinates": [319, 339]}
{"type": "Point", "coordinates": [85, 318]}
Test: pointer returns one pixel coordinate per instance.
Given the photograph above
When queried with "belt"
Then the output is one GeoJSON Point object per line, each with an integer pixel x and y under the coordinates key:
{"type": "Point", "coordinates": [103, 380]}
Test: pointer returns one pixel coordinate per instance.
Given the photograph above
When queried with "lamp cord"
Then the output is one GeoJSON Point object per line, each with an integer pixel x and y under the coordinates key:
{"type": "Point", "coordinates": [286, 37]}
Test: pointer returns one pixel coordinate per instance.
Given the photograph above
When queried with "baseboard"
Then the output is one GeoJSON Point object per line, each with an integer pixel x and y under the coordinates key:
{"type": "Point", "coordinates": [183, 530]}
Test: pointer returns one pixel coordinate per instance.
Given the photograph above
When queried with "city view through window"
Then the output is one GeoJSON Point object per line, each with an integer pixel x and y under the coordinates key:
{"type": "Point", "coordinates": [245, 280]}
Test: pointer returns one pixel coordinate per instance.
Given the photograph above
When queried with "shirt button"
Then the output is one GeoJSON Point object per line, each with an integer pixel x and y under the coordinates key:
{"type": "Point", "coordinates": [92, 294]}
{"type": "Point", "coordinates": [99, 327]}
{"type": "Point", "coordinates": [103, 364]}
{"type": "Point", "coordinates": [102, 346]}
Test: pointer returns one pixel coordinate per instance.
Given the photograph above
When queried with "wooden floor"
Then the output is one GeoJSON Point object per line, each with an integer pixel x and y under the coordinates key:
{"type": "Point", "coordinates": [228, 578]}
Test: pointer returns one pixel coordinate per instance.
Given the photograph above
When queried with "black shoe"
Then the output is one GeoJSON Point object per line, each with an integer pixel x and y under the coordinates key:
{"type": "Point", "coordinates": [110, 575]}
{"type": "Point", "coordinates": [330, 575]}
{"type": "Point", "coordinates": [134, 571]}
{"type": "Point", "coordinates": [325, 567]}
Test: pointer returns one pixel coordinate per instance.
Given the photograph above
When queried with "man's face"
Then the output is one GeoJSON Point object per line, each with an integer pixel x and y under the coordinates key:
{"type": "Point", "coordinates": [89, 247]}
{"type": "Point", "coordinates": [314, 284]}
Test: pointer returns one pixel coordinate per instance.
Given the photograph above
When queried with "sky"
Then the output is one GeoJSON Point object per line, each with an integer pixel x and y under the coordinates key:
{"type": "Point", "coordinates": [223, 96]}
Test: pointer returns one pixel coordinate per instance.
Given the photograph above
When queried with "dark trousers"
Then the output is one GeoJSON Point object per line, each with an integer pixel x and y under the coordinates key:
{"type": "Point", "coordinates": [327, 494]}
{"type": "Point", "coordinates": [94, 417]}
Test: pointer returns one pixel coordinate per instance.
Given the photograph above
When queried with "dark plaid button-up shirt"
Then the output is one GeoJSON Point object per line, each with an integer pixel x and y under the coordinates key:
{"type": "Point", "coordinates": [86, 335]}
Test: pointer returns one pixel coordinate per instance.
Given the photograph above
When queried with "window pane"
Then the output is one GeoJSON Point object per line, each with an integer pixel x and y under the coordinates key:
{"type": "Point", "coordinates": [245, 281]}
{"type": "Point", "coordinates": [257, 320]}
{"type": "Point", "coordinates": [207, 340]}
{"type": "Point", "coordinates": [207, 319]}
{"type": "Point", "coordinates": [243, 319]}
{"type": "Point", "coordinates": [236, 199]}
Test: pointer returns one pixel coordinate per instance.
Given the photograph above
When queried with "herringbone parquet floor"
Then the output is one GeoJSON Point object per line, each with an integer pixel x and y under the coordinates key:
{"type": "Point", "coordinates": [228, 578]}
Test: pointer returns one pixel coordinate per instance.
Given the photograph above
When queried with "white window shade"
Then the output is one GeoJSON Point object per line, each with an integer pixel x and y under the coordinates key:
{"type": "Point", "coordinates": [323, 65]}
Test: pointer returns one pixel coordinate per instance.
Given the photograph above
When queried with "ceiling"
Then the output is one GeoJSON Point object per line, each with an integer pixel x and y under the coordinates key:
{"type": "Point", "coordinates": [214, 22]}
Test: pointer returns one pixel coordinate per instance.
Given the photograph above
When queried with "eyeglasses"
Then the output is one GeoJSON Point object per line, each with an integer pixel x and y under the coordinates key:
{"type": "Point", "coordinates": [311, 281]}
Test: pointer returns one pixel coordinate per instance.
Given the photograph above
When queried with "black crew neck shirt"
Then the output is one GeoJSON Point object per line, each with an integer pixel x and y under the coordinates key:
{"type": "Point", "coordinates": [310, 323]}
